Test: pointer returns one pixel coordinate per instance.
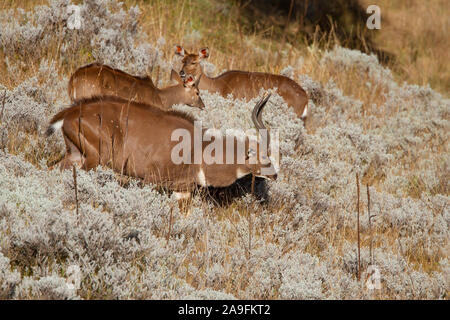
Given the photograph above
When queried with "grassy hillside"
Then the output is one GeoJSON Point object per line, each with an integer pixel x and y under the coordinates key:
{"type": "Point", "coordinates": [382, 122]}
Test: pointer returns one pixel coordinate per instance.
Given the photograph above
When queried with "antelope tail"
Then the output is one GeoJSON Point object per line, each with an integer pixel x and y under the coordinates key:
{"type": "Point", "coordinates": [305, 112]}
{"type": "Point", "coordinates": [56, 122]}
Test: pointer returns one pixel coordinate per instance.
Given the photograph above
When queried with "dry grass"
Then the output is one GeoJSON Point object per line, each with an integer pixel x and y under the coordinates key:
{"type": "Point", "coordinates": [417, 33]}
{"type": "Point", "coordinates": [422, 57]}
{"type": "Point", "coordinates": [421, 50]}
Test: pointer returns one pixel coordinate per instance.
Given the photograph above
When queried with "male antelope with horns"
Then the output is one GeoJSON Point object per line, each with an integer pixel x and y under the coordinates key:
{"type": "Point", "coordinates": [95, 80]}
{"type": "Point", "coordinates": [138, 140]}
{"type": "Point", "coordinates": [243, 84]}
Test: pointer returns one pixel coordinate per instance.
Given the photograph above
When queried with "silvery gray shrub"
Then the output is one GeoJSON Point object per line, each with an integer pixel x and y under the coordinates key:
{"type": "Point", "coordinates": [118, 240]}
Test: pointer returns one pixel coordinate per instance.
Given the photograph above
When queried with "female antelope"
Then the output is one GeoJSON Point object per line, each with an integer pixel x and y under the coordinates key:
{"type": "Point", "coordinates": [243, 84]}
{"type": "Point", "coordinates": [95, 80]}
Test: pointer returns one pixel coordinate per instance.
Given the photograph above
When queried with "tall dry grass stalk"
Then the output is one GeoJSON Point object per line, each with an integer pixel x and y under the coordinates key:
{"type": "Point", "coordinates": [369, 216]}
{"type": "Point", "coordinates": [250, 224]}
{"type": "Point", "coordinates": [357, 228]}
{"type": "Point", "coordinates": [169, 231]}
{"type": "Point", "coordinates": [75, 187]}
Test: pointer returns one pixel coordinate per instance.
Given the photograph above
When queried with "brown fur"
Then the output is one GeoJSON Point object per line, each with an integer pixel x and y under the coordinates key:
{"type": "Point", "coordinates": [96, 99]}
{"type": "Point", "coordinates": [134, 139]}
{"type": "Point", "coordinates": [100, 80]}
{"type": "Point", "coordinates": [243, 84]}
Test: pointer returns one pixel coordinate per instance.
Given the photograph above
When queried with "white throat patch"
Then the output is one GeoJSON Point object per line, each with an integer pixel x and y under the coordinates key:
{"type": "Point", "coordinates": [201, 179]}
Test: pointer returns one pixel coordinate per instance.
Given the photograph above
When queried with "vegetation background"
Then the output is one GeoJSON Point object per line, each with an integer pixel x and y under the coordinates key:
{"type": "Point", "coordinates": [379, 108]}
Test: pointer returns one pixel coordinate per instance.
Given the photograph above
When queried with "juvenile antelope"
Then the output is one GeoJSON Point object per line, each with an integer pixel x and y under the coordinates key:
{"type": "Point", "coordinates": [243, 84]}
{"type": "Point", "coordinates": [95, 80]}
{"type": "Point", "coordinates": [136, 140]}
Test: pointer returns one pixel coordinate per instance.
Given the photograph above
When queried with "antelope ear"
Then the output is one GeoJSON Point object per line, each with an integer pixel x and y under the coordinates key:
{"type": "Point", "coordinates": [179, 50]}
{"type": "Point", "coordinates": [176, 76]}
{"type": "Point", "coordinates": [189, 81]}
{"type": "Point", "coordinates": [204, 53]}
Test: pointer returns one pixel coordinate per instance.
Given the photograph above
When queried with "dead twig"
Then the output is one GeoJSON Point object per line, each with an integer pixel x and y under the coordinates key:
{"type": "Point", "coordinates": [359, 240]}
{"type": "Point", "coordinates": [76, 189]}
{"type": "Point", "coordinates": [370, 225]}
{"type": "Point", "coordinates": [170, 225]}
{"type": "Point", "coordinates": [3, 105]}
{"type": "Point", "coordinates": [3, 133]}
{"type": "Point", "coordinates": [250, 226]}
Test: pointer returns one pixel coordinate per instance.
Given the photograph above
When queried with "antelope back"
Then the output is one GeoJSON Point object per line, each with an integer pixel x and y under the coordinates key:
{"type": "Point", "coordinates": [131, 138]}
{"type": "Point", "coordinates": [137, 140]}
{"type": "Point", "coordinates": [243, 84]}
{"type": "Point", "coordinates": [100, 80]}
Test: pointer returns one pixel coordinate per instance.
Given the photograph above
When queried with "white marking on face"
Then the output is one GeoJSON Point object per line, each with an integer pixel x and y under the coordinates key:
{"type": "Point", "coordinates": [182, 195]}
{"type": "Point", "coordinates": [75, 93]}
{"type": "Point", "coordinates": [201, 179]}
{"type": "Point", "coordinates": [241, 173]}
